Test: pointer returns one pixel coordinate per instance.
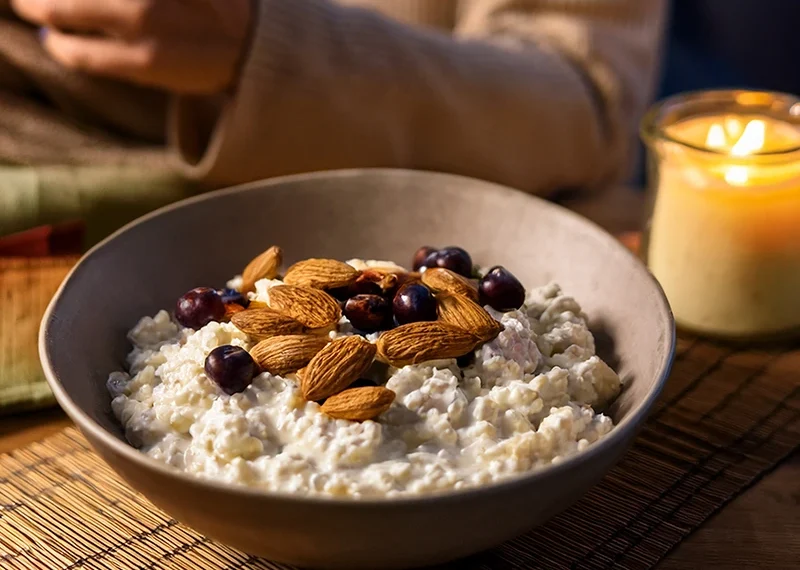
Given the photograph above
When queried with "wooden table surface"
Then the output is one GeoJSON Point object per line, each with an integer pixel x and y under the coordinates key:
{"type": "Point", "coordinates": [757, 530]}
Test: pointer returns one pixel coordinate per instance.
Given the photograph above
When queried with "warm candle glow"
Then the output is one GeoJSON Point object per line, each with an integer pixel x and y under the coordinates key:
{"type": "Point", "coordinates": [752, 139]}
{"type": "Point", "coordinates": [731, 136]}
{"type": "Point", "coordinates": [724, 237]}
{"type": "Point", "coordinates": [733, 126]}
{"type": "Point", "coordinates": [737, 175]}
{"type": "Point", "coordinates": [747, 141]}
{"type": "Point", "coordinates": [716, 137]}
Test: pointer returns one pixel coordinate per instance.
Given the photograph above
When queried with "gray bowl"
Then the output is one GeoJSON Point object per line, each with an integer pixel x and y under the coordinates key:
{"type": "Point", "coordinates": [383, 214]}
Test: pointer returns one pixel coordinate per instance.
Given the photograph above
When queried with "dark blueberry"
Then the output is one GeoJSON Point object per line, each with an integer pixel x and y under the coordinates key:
{"type": "Point", "coordinates": [453, 258]}
{"type": "Point", "coordinates": [368, 313]}
{"type": "Point", "coordinates": [362, 383]}
{"type": "Point", "coordinates": [421, 255]}
{"type": "Point", "coordinates": [341, 294]}
{"type": "Point", "coordinates": [501, 290]}
{"type": "Point", "coordinates": [466, 359]}
{"type": "Point", "coordinates": [402, 279]}
{"type": "Point", "coordinates": [234, 296]}
{"type": "Point", "coordinates": [414, 302]}
{"type": "Point", "coordinates": [199, 307]}
{"type": "Point", "coordinates": [231, 367]}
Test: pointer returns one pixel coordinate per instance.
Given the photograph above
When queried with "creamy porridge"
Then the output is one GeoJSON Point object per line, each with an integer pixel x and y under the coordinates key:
{"type": "Point", "coordinates": [529, 397]}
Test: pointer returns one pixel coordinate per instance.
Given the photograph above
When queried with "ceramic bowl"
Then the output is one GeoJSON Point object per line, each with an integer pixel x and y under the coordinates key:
{"type": "Point", "coordinates": [373, 214]}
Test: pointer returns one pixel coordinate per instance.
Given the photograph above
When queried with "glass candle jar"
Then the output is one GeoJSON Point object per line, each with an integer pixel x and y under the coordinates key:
{"type": "Point", "coordinates": [723, 234]}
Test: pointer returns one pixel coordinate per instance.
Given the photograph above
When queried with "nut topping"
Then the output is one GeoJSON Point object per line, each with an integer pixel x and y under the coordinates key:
{"type": "Point", "coordinates": [284, 354]}
{"type": "Point", "coordinates": [359, 404]}
{"type": "Point", "coordinates": [422, 341]}
{"type": "Point", "coordinates": [336, 366]}
{"type": "Point", "coordinates": [321, 274]}
{"type": "Point", "coordinates": [315, 309]}
{"type": "Point", "coordinates": [464, 313]}
{"type": "Point", "coordinates": [264, 323]}
{"type": "Point", "coordinates": [264, 266]}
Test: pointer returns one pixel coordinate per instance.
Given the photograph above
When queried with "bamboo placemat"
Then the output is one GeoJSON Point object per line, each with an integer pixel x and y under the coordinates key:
{"type": "Point", "coordinates": [726, 418]}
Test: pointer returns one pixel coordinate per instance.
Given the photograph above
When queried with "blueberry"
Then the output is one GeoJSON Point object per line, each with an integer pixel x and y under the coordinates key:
{"type": "Point", "coordinates": [453, 258]}
{"type": "Point", "coordinates": [501, 290]}
{"type": "Point", "coordinates": [198, 307]}
{"type": "Point", "coordinates": [421, 255]}
{"type": "Point", "coordinates": [368, 313]}
{"type": "Point", "coordinates": [234, 296]}
{"type": "Point", "coordinates": [231, 367]}
{"type": "Point", "coordinates": [414, 302]}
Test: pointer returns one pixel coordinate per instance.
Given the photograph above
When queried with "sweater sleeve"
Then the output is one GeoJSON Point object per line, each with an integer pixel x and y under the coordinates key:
{"type": "Point", "coordinates": [536, 94]}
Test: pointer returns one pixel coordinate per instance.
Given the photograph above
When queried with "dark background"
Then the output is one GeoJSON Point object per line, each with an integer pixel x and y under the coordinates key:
{"type": "Point", "coordinates": [752, 44]}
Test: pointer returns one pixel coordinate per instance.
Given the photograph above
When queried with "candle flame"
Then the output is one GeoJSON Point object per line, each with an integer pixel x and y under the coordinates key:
{"type": "Point", "coordinates": [752, 139]}
{"type": "Point", "coordinates": [745, 142]}
{"type": "Point", "coordinates": [733, 126]}
{"type": "Point", "coordinates": [748, 141]}
{"type": "Point", "coordinates": [716, 137]}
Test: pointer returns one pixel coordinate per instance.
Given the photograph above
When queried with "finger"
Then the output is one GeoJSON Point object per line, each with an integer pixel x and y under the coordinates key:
{"type": "Point", "coordinates": [133, 60]}
{"type": "Point", "coordinates": [122, 17]}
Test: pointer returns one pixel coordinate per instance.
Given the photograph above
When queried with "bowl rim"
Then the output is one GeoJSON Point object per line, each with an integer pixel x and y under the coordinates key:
{"type": "Point", "coordinates": [627, 428]}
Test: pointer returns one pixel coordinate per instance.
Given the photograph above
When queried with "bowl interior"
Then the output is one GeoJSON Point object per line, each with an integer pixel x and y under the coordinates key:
{"type": "Point", "coordinates": [377, 214]}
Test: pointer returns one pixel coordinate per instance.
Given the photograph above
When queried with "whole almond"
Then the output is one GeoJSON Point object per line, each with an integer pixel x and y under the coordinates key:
{"type": "Point", "coordinates": [441, 280]}
{"type": "Point", "coordinates": [467, 314]}
{"type": "Point", "coordinates": [264, 323]}
{"type": "Point", "coordinates": [359, 404]}
{"type": "Point", "coordinates": [264, 266]}
{"type": "Point", "coordinates": [283, 354]}
{"type": "Point", "coordinates": [257, 305]}
{"type": "Point", "coordinates": [340, 363]}
{"type": "Point", "coordinates": [315, 309]}
{"type": "Point", "coordinates": [423, 341]}
{"type": "Point", "coordinates": [321, 274]}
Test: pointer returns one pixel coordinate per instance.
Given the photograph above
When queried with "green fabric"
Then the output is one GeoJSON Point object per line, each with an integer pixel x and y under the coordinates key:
{"type": "Point", "coordinates": [23, 388]}
{"type": "Point", "coordinates": [105, 197]}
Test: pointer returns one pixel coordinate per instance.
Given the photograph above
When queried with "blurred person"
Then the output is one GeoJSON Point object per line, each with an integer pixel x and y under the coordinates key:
{"type": "Point", "coordinates": [540, 95]}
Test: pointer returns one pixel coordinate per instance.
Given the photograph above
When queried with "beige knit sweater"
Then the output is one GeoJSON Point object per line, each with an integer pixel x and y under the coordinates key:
{"type": "Point", "coordinates": [536, 94]}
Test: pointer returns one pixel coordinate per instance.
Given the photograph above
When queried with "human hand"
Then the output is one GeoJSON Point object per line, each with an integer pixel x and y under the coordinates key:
{"type": "Point", "coordinates": [185, 46]}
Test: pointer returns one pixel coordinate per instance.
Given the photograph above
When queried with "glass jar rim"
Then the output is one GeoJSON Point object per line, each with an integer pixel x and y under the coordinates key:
{"type": "Point", "coordinates": [654, 123]}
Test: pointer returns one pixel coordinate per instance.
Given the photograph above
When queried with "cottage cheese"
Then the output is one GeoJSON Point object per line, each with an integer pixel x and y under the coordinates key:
{"type": "Point", "coordinates": [531, 398]}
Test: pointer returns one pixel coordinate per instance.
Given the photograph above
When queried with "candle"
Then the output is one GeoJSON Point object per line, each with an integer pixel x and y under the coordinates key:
{"type": "Point", "coordinates": [724, 234]}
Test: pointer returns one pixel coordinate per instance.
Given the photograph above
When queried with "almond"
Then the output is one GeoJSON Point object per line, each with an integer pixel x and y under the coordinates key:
{"type": "Point", "coordinates": [440, 280]}
{"type": "Point", "coordinates": [336, 366]}
{"type": "Point", "coordinates": [426, 340]}
{"type": "Point", "coordinates": [257, 305]}
{"type": "Point", "coordinates": [312, 307]}
{"type": "Point", "coordinates": [264, 323]}
{"type": "Point", "coordinates": [264, 266]}
{"type": "Point", "coordinates": [283, 354]}
{"type": "Point", "coordinates": [359, 404]}
{"type": "Point", "coordinates": [466, 314]}
{"type": "Point", "coordinates": [321, 274]}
